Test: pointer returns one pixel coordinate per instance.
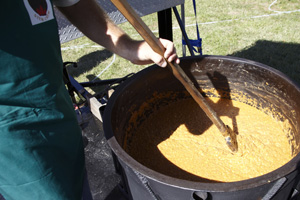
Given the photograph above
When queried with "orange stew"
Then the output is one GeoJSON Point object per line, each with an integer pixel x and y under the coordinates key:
{"type": "Point", "coordinates": [180, 141]}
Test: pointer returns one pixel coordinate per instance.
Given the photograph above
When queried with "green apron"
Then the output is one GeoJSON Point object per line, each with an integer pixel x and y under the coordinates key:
{"type": "Point", "coordinates": [41, 151]}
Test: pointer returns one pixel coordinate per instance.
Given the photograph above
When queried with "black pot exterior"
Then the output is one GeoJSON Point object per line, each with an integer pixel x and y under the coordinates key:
{"type": "Point", "coordinates": [233, 78]}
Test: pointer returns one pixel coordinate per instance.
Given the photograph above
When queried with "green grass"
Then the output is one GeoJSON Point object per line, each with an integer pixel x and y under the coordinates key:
{"type": "Point", "coordinates": [241, 28]}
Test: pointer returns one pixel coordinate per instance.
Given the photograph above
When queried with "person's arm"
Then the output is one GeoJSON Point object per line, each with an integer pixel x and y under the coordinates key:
{"type": "Point", "coordinates": [91, 20]}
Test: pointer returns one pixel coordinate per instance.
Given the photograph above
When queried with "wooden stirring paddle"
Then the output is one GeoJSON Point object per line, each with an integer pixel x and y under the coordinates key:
{"type": "Point", "coordinates": [155, 44]}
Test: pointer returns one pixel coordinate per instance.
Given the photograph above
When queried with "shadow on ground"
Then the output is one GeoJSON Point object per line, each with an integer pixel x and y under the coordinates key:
{"type": "Point", "coordinates": [89, 61]}
{"type": "Point", "coordinates": [282, 56]}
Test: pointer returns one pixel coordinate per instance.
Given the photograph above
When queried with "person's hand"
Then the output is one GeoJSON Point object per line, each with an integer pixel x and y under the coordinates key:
{"type": "Point", "coordinates": [145, 54]}
{"type": "Point", "coordinates": [170, 54]}
{"type": "Point", "coordinates": [104, 32]}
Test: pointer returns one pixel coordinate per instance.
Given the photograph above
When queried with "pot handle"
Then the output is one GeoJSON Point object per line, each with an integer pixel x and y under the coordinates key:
{"type": "Point", "coordinates": [296, 191]}
{"type": "Point", "coordinates": [200, 195]}
{"type": "Point", "coordinates": [275, 188]}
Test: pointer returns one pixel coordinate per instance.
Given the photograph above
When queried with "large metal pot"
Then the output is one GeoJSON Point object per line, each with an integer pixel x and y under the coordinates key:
{"type": "Point", "coordinates": [234, 77]}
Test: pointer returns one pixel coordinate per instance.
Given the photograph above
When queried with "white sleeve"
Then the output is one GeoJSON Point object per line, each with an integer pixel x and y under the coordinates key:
{"type": "Point", "coordinates": [64, 3]}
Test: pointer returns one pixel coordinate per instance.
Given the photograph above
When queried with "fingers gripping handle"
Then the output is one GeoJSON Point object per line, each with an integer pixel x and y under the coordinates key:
{"type": "Point", "coordinates": [139, 25]}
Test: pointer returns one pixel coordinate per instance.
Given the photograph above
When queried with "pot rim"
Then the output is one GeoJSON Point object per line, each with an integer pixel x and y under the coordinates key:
{"type": "Point", "coordinates": [284, 170]}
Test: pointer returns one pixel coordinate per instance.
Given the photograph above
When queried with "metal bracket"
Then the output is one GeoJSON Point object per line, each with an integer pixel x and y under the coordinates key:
{"type": "Point", "coordinates": [274, 189]}
{"type": "Point", "coordinates": [145, 183]}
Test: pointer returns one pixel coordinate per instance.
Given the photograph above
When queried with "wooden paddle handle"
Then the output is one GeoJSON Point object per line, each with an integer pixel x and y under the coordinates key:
{"type": "Point", "coordinates": [156, 45]}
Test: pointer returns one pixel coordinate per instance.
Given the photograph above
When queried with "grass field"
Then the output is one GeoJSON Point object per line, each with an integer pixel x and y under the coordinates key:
{"type": "Point", "coordinates": [266, 31]}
